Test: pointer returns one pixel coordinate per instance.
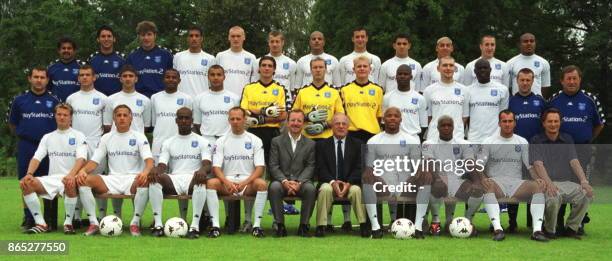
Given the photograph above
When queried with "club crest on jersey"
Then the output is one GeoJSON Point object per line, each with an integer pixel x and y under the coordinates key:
{"type": "Point", "coordinates": [75, 71]}
{"type": "Point", "coordinates": [132, 142]}
{"type": "Point", "coordinates": [247, 60]}
{"type": "Point", "coordinates": [327, 94]}
{"type": "Point", "coordinates": [157, 59]}
{"type": "Point", "coordinates": [536, 103]}
{"type": "Point", "coordinates": [412, 66]}
{"type": "Point", "coordinates": [226, 99]}
{"type": "Point", "coordinates": [371, 92]}
{"type": "Point", "coordinates": [582, 106]}
{"type": "Point", "coordinates": [415, 101]}
{"type": "Point", "coordinates": [138, 102]}
{"type": "Point", "coordinates": [536, 64]}
{"type": "Point", "coordinates": [286, 66]}
{"type": "Point", "coordinates": [248, 145]}
{"type": "Point", "coordinates": [115, 64]}
{"type": "Point", "coordinates": [71, 141]}
{"type": "Point", "coordinates": [275, 92]}
{"type": "Point", "coordinates": [402, 143]}
{"type": "Point", "coordinates": [49, 104]}
{"type": "Point", "coordinates": [457, 91]}
{"type": "Point", "coordinates": [497, 66]}
{"type": "Point", "coordinates": [328, 61]}
{"type": "Point", "coordinates": [493, 93]}
{"type": "Point", "coordinates": [204, 62]}
{"type": "Point", "coordinates": [180, 101]}
{"type": "Point", "coordinates": [517, 148]}
{"type": "Point", "coordinates": [96, 101]}
{"type": "Point", "coordinates": [456, 150]}
{"type": "Point", "coordinates": [456, 69]}
{"type": "Point", "coordinates": [425, 147]}
{"type": "Point", "coordinates": [194, 144]}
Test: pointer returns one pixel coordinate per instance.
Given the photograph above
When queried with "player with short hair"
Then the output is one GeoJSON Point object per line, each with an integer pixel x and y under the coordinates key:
{"type": "Point", "coordinates": [129, 163]}
{"type": "Point", "coordinates": [431, 74]}
{"type": "Point", "coordinates": [303, 75]}
{"type": "Point", "coordinates": [193, 64]}
{"type": "Point", "coordinates": [487, 99]}
{"type": "Point", "coordinates": [447, 97]}
{"type": "Point", "coordinates": [411, 104]}
{"type": "Point", "coordinates": [164, 106]}
{"type": "Point", "coordinates": [284, 74]}
{"type": "Point", "coordinates": [499, 69]}
{"type": "Point", "coordinates": [140, 105]}
{"type": "Point", "coordinates": [184, 163]}
{"type": "Point", "coordinates": [67, 152]}
{"type": "Point", "coordinates": [526, 106]}
{"type": "Point", "coordinates": [387, 74]}
{"type": "Point", "coordinates": [63, 72]}
{"type": "Point", "coordinates": [107, 62]}
{"type": "Point", "coordinates": [239, 64]}
{"type": "Point", "coordinates": [502, 155]}
{"type": "Point", "coordinates": [345, 67]}
{"type": "Point", "coordinates": [149, 60]}
{"type": "Point", "coordinates": [528, 59]}
{"type": "Point", "coordinates": [238, 165]}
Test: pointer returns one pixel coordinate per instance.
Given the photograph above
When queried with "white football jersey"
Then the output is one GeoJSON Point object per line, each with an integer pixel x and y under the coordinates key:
{"type": "Point", "coordinates": [239, 69]}
{"type": "Point", "coordinates": [413, 107]}
{"type": "Point", "coordinates": [210, 110]}
{"type": "Point", "coordinates": [486, 101]}
{"type": "Point", "coordinates": [193, 68]}
{"type": "Point", "coordinates": [452, 150]}
{"type": "Point", "coordinates": [183, 154]}
{"type": "Point", "coordinates": [164, 107]}
{"type": "Point", "coordinates": [386, 76]}
{"type": "Point", "coordinates": [539, 66]}
{"type": "Point", "coordinates": [63, 147]}
{"type": "Point", "coordinates": [138, 103]}
{"type": "Point", "coordinates": [407, 145]}
{"type": "Point", "coordinates": [88, 112]}
{"type": "Point", "coordinates": [431, 74]}
{"type": "Point", "coordinates": [126, 152]}
{"type": "Point", "coordinates": [447, 99]}
{"type": "Point", "coordinates": [284, 74]}
{"type": "Point", "coordinates": [347, 74]}
{"type": "Point", "coordinates": [499, 72]}
{"type": "Point", "coordinates": [503, 156]}
{"type": "Point", "coordinates": [303, 76]}
{"type": "Point", "coordinates": [238, 155]}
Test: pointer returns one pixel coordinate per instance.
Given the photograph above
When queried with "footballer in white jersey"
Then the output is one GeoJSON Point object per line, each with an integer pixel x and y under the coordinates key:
{"type": "Point", "coordinates": [528, 59]}
{"type": "Point", "coordinates": [411, 104]}
{"type": "Point", "coordinates": [67, 152]}
{"type": "Point", "coordinates": [499, 69]}
{"type": "Point", "coordinates": [285, 70]}
{"type": "Point", "coordinates": [387, 76]}
{"type": "Point", "coordinates": [487, 99]}
{"type": "Point", "coordinates": [140, 105]}
{"type": "Point", "coordinates": [193, 64]}
{"type": "Point", "coordinates": [129, 162]}
{"type": "Point", "coordinates": [164, 107]}
{"type": "Point", "coordinates": [240, 65]}
{"type": "Point", "coordinates": [303, 76]}
{"type": "Point", "coordinates": [430, 74]}
{"type": "Point", "coordinates": [345, 68]}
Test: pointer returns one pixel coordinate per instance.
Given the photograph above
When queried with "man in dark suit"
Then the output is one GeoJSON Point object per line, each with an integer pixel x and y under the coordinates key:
{"type": "Point", "coordinates": [291, 166]}
{"type": "Point", "coordinates": [339, 166]}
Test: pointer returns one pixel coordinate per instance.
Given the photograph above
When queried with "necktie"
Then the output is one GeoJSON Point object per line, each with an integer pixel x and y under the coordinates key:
{"type": "Point", "coordinates": [340, 161]}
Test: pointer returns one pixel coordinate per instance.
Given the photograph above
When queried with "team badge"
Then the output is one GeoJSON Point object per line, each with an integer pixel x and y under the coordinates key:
{"type": "Point", "coordinates": [132, 142]}
{"type": "Point", "coordinates": [497, 66]}
{"type": "Point", "coordinates": [248, 145]}
{"type": "Point", "coordinates": [115, 64]}
{"type": "Point", "coordinates": [286, 66]}
{"type": "Point", "coordinates": [275, 92]}
{"type": "Point", "coordinates": [194, 144]}
{"type": "Point", "coordinates": [457, 91]}
{"type": "Point", "coordinates": [328, 61]}
{"type": "Point", "coordinates": [138, 102]}
{"type": "Point", "coordinates": [327, 94]}
{"type": "Point", "coordinates": [456, 69]}
{"type": "Point", "coordinates": [247, 60]}
{"type": "Point", "coordinates": [582, 106]}
{"type": "Point", "coordinates": [180, 101]}
{"type": "Point", "coordinates": [96, 101]}
{"type": "Point", "coordinates": [517, 148]}
{"type": "Point", "coordinates": [536, 64]}
{"type": "Point", "coordinates": [402, 143]}
{"type": "Point", "coordinates": [536, 103]}
{"type": "Point", "coordinates": [371, 92]}
{"type": "Point", "coordinates": [456, 150]}
{"type": "Point", "coordinates": [493, 93]}
{"type": "Point", "coordinates": [75, 71]}
{"type": "Point", "coordinates": [415, 101]}
{"type": "Point", "coordinates": [49, 104]}
{"type": "Point", "coordinates": [412, 66]}
{"type": "Point", "coordinates": [157, 59]}
{"type": "Point", "coordinates": [204, 62]}
{"type": "Point", "coordinates": [226, 99]}
{"type": "Point", "coordinates": [71, 141]}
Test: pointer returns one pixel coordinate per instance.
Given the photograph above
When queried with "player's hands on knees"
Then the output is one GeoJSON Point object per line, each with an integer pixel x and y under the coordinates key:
{"type": "Point", "coordinates": [81, 178]}
{"type": "Point", "coordinates": [153, 176]}
{"type": "Point", "coordinates": [424, 177]}
{"type": "Point", "coordinates": [199, 177]}
{"type": "Point", "coordinates": [587, 189]}
{"type": "Point", "coordinates": [25, 180]}
{"type": "Point", "coordinates": [142, 179]}
{"type": "Point", "coordinates": [69, 181]}
{"type": "Point", "coordinates": [336, 188]}
{"type": "Point", "coordinates": [345, 188]}
{"type": "Point", "coordinates": [551, 189]}
{"type": "Point", "coordinates": [488, 185]}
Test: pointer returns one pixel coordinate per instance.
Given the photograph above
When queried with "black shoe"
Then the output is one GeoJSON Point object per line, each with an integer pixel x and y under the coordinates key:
{"type": "Point", "coordinates": [580, 231]}
{"type": "Point", "coordinates": [512, 228]}
{"type": "Point", "coordinates": [418, 234]}
{"type": "Point", "coordinates": [377, 234]}
{"type": "Point", "coordinates": [76, 223]}
{"type": "Point", "coordinates": [571, 233]}
{"type": "Point", "coordinates": [157, 231]}
{"type": "Point", "coordinates": [257, 232]}
{"type": "Point", "coordinates": [474, 232]}
{"type": "Point", "coordinates": [281, 230]}
{"type": "Point", "coordinates": [330, 229]}
{"type": "Point", "coordinates": [85, 222]}
{"type": "Point", "coordinates": [303, 231]}
{"type": "Point", "coordinates": [320, 231]}
{"type": "Point", "coordinates": [549, 235]}
{"type": "Point", "coordinates": [193, 233]}
{"type": "Point", "coordinates": [214, 232]}
{"type": "Point", "coordinates": [498, 235]}
{"type": "Point", "coordinates": [364, 230]}
{"type": "Point", "coordinates": [347, 227]}
{"type": "Point", "coordinates": [38, 229]}
{"type": "Point", "coordinates": [205, 223]}
{"type": "Point", "coordinates": [539, 236]}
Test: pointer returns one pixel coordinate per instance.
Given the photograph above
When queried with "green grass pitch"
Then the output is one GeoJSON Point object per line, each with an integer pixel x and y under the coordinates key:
{"type": "Point", "coordinates": [339, 246]}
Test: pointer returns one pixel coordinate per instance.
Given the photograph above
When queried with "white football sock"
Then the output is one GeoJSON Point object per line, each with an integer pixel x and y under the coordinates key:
{"type": "Point", "coordinates": [473, 205]}
{"type": "Point", "coordinates": [33, 204]}
{"type": "Point", "coordinates": [156, 196]}
{"type": "Point", "coordinates": [346, 211]}
{"type": "Point", "coordinates": [198, 198]}
{"type": "Point", "coordinates": [371, 209]}
{"type": "Point", "coordinates": [183, 207]}
{"type": "Point", "coordinates": [89, 203]}
{"type": "Point", "coordinates": [102, 206]}
{"type": "Point", "coordinates": [492, 207]}
{"type": "Point", "coordinates": [212, 200]}
{"type": "Point", "coordinates": [435, 209]}
{"type": "Point", "coordinates": [248, 210]}
{"type": "Point", "coordinates": [260, 203]}
{"type": "Point", "coordinates": [140, 203]}
{"type": "Point", "coordinates": [537, 211]}
{"type": "Point", "coordinates": [69, 205]}
{"type": "Point", "coordinates": [117, 206]}
{"type": "Point", "coordinates": [422, 199]}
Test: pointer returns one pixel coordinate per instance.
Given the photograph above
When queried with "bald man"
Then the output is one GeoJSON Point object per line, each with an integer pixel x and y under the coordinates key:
{"type": "Point", "coordinates": [240, 65]}
{"type": "Point", "coordinates": [303, 75]}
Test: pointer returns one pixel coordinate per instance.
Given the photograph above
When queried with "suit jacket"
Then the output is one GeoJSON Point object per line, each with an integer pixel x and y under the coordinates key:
{"type": "Point", "coordinates": [286, 164]}
{"type": "Point", "coordinates": [326, 161]}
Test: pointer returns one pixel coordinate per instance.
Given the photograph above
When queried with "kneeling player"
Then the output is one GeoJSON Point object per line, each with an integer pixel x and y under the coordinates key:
{"type": "Point", "coordinates": [187, 157]}
{"type": "Point", "coordinates": [129, 163]}
{"type": "Point", "coordinates": [67, 151]}
{"type": "Point", "coordinates": [503, 154]}
{"type": "Point", "coordinates": [238, 165]}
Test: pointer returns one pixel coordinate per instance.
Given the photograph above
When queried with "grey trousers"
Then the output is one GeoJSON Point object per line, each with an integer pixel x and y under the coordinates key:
{"type": "Point", "coordinates": [569, 192]}
{"type": "Point", "coordinates": [307, 193]}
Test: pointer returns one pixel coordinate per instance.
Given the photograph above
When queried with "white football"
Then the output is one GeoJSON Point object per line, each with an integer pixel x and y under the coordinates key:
{"type": "Point", "coordinates": [175, 227]}
{"type": "Point", "coordinates": [460, 227]}
{"type": "Point", "coordinates": [111, 226]}
{"type": "Point", "coordinates": [402, 228]}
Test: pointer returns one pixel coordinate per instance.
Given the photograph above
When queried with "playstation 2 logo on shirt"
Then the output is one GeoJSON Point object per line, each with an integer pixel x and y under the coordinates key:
{"type": "Point", "coordinates": [194, 144]}
{"type": "Point", "coordinates": [132, 142]}
{"type": "Point", "coordinates": [204, 62]}
{"type": "Point", "coordinates": [415, 101]}
{"type": "Point", "coordinates": [327, 94]}
{"type": "Point", "coordinates": [275, 92]}
{"type": "Point", "coordinates": [536, 64]}
{"type": "Point", "coordinates": [49, 104]}
{"type": "Point", "coordinates": [371, 92]}
{"type": "Point", "coordinates": [115, 64]}
{"type": "Point", "coordinates": [226, 99]}
{"type": "Point", "coordinates": [71, 141]}
{"type": "Point", "coordinates": [457, 91]}
{"type": "Point", "coordinates": [286, 66]}
{"type": "Point", "coordinates": [180, 101]}
{"type": "Point", "coordinates": [96, 101]}
{"type": "Point", "coordinates": [497, 66]}
{"type": "Point", "coordinates": [157, 59]}
{"type": "Point", "coordinates": [139, 102]}
{"type": "Point", "coordinates": [247, 60]}
{"type": "Point", "coordinates": [248, 145]}
{"type": "Point", "coordinates": [493, 93]}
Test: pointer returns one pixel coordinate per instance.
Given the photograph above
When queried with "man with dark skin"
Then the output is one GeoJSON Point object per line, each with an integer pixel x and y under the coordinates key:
{"type": "Point", "coordinates": [528, 59]}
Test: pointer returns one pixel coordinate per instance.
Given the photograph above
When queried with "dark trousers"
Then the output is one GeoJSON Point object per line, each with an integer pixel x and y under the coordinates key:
{"type": "Point", "coordinates": [25, 152]}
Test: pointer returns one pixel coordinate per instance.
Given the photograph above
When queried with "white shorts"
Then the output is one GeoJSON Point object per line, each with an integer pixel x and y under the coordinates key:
{"type": "Point", "coordinates": [237, 178]}
{"type": "Point", "coordinates": [452, 183]}
{"type": "Point", "coordinates": [395, 178]}
{"type": "Point", "coordinates": [119, 184]}
{"type": "Point", "coordinates": [53, 185]}
{"type": "Point", "coordinates": [181, 183]}
{"type": "Point", "coordinates": [509, 186]}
